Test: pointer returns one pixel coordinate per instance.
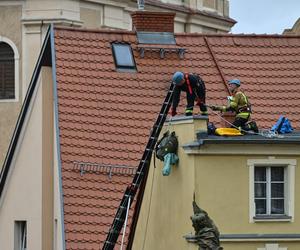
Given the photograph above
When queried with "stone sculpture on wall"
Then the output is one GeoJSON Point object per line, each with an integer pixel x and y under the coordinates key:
{"type": "Point", "coordinates": [206, 232]}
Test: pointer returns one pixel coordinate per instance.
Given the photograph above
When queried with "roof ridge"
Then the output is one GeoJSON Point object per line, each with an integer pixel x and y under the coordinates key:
{"type": "Point", "coordinates": [238, 35]}
{"type": "Point", "coordinates": [130, 32]}
{"type": "Point", "coordinates": [101, 30]}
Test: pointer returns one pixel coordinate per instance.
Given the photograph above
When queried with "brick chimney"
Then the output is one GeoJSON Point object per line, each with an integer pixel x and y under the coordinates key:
{"type": "Point", "coordinates": [229, 117]}
{"type": "Point", "coordinates": [153, 21]}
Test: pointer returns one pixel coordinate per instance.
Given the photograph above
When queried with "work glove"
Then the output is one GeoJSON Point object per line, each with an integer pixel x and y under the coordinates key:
{"type": "Point", "coordinates": [198, 101]}
{"type": "Point", "coordinates": [173, 112]}
{"type": "Point", "coordinates": [215, 108]}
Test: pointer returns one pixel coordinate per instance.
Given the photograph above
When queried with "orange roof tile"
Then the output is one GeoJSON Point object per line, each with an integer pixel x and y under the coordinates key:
{"type": "Point", "coordinates": [105, 116]}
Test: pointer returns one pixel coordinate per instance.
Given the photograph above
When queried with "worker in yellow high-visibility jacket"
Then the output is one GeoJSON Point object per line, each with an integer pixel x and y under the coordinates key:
{"type": "Point", "coordinates": [238, 103]}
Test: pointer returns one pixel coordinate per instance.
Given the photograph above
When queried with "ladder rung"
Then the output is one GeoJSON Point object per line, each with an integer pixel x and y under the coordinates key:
{"type": "Point", "coordinates": [109, 243]}
{"type": "Point", "coordinates": [113, 231]}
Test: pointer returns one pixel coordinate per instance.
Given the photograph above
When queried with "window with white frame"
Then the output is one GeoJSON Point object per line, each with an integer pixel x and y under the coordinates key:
{"type": "Point", "coordinates": [269, 195]}
{"type": "Point", "coordinates": [20, 235]}
{"type": "Point", "coordinates": [271, 190]}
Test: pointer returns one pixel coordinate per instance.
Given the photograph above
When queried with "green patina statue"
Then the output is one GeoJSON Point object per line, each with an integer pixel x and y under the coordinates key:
{"type": "Point", "coordinates": [206, 232]}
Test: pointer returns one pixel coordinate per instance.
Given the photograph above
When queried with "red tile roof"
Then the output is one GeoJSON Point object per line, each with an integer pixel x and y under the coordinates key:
{"type": "Point", "coordinates": [105, 116]}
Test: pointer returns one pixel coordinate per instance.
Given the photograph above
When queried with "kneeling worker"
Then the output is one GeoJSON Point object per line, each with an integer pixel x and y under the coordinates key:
{"type": "Point", "coordinates": [194, 87]}
{"type": "Point", "coordinates": [239, 104]}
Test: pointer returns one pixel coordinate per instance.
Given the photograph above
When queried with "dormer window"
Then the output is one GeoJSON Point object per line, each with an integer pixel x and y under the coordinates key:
{"type": "Point", "coordinates": [123, 56]}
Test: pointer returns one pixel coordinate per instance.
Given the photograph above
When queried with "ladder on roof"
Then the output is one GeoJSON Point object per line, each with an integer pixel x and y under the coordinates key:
{"type": "Point", "coordinates": [141, 173]}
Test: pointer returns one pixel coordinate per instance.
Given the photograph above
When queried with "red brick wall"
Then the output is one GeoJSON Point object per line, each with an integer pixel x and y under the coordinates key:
{"type": "Point", "coordinates": [153, 21]}
{"type": "Point", "coordinates": [228, 116]}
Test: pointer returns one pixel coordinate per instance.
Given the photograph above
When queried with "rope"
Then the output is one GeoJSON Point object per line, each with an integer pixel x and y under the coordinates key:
{"type": "Point", "coordinates": [148, 214]}
{"type": "Point", "coordinates": [125, 225]}
{"type": "Point", "coordinates": [267, 133]}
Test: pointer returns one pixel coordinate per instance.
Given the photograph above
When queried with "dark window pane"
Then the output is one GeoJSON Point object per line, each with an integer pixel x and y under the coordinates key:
{"type": "Point", "coordinates": [277, 174]}
{"type": "Point", "coordinates": [260, 190]}
{"type": "Point", "coordinates": [260, 174]}
{"type": "Point", "coordinates": [7, 72]}
{"type": "Point", "coordinates": [260, 206]}
{"type": "Point", "coordinates": [6, 52]}
{"type": "Point", "coordinates": [123, 55]}
{"type": "Point", "coordinates": [277, 190]}
{"type": "Point", "coordinates": [277, 206]}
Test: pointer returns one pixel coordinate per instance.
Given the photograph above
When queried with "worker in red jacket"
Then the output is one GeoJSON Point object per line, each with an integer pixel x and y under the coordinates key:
{"type": "Point", "coordinates": [194, 87]}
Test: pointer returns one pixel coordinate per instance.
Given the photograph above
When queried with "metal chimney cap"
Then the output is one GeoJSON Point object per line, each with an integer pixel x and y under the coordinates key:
{"type": "Point", "coordinates": [141, 4]}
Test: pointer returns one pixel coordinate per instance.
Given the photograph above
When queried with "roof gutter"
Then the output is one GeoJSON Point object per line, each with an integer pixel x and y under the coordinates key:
{"type": "Point", "coordinates": [57, 133]}
{"type": "Point", "coordinates": [10, 156]}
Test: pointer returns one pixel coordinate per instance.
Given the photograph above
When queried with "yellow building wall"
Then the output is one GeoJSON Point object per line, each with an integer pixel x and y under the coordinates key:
{"type": "Point", "coordinates": [10, 28]}
{"type": "Point", "coordinates": [221, 186]}
{"type": "Point", "coordinates": [167, 205]}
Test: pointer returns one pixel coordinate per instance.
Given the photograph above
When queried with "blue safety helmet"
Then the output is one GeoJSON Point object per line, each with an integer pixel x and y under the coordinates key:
{"type": "Point", "coordinates": [178, 77]}
{"type": "Point", "coordinates": [237, 82]}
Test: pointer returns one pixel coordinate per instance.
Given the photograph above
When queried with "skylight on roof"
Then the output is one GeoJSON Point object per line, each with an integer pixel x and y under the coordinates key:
{"type": "Point", "coordinates": [123, 56]}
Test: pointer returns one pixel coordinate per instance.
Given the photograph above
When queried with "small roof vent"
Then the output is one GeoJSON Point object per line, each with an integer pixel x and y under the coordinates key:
{"type": "Point", "coordinates": [141, 4]}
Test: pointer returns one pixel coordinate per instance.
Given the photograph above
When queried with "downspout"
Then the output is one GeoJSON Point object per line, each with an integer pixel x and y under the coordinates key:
{"type": "Point", "coordinates": [53, 61]}
{"type": "Point", "coordinates": [217, 65]}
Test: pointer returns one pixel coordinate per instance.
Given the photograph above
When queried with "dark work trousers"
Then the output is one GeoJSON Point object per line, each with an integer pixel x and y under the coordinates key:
{"type": "Point", "coordinates": [190, 99]}
{"type": "Point", "coordinates": [240, 123]}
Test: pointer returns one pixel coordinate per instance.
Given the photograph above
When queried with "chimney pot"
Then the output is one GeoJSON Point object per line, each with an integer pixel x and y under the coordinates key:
{"type": "Point", "coordinates": [141, 4]}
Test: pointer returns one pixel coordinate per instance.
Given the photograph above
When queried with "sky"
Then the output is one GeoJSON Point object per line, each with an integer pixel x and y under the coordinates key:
{"type": "Point", "coordinates": [263, 16]}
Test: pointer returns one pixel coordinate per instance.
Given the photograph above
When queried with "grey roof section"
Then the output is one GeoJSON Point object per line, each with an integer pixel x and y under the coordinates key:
{"type": "Point", "coordinates": [245, 237]}
{"type": "Point", "coordinates": [155, 37]}
{"type": "Point", "coordinates": [260, 236]}
{"type": "Point", "coordinates": [193, 238]}
{"type": "Point", "coordinates": [291, 138]}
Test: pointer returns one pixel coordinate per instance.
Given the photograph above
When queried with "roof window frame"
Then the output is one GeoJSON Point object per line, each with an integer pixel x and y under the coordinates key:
{"type": "Point", "coordinates": [123, 67]}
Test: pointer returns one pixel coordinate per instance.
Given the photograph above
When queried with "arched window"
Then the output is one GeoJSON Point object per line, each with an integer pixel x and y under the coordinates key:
{"type": "Point", "coordinates": [7, 72]}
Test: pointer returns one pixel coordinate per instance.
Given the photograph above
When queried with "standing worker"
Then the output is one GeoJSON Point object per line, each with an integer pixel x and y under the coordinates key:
{"type": "Point", "coordinates": [238, 103]}
{"type": "Point", "coordinates": [194, 87]}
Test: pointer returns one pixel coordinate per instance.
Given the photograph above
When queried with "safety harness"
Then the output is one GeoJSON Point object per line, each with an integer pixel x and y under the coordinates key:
{"type": "Point", "coordinates": [188, 83]}
{"type": "Point", "coordinates": [244, 111]}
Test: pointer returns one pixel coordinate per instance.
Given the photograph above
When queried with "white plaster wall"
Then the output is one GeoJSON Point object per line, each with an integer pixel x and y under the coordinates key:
{"type": "Point", "coordinates": [31, 45]}
{"type": "Point", "coordinates": [41, 9]}
{"type": "Point", "coordinates": [22, 199]}
{"type": "Point", "coordinates": [58, 240]}
{"type": "Point", "coordinates": [113, 16]}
